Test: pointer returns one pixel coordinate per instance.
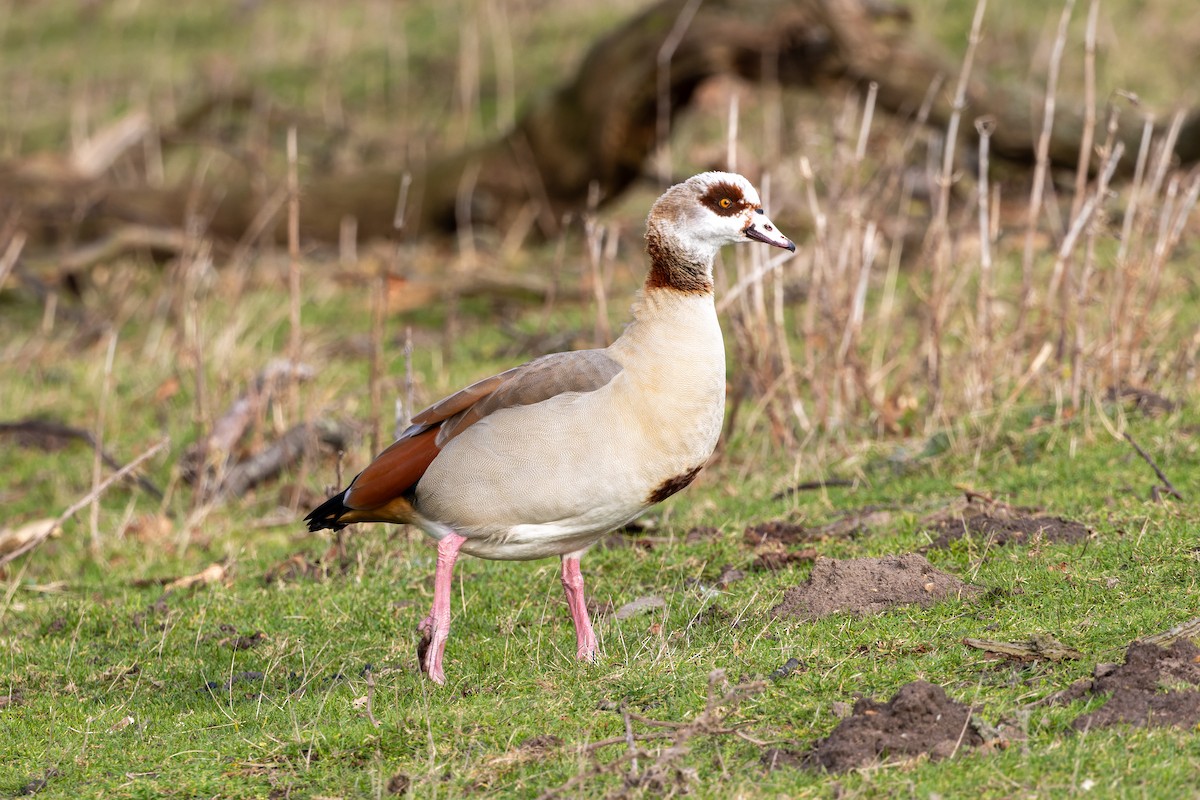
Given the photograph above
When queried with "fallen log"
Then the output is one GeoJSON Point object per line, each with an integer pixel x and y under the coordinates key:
{"type": "Point", "coordinates": [587, 141]}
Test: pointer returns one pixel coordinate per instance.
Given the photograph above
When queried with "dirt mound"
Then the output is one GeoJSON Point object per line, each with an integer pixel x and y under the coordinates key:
{"type": "Point", "coordinates": [919, 720]}
{"type": "Point", "coordinates": [1156, 686]}
{"type": "Point", "coordinates": [1000, 524]}
{"type": "Point", "coordinates": [869, 586]}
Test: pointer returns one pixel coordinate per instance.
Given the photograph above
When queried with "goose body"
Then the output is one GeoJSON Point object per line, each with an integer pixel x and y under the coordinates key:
{"type": "Point", "coordinates": [546, 458]}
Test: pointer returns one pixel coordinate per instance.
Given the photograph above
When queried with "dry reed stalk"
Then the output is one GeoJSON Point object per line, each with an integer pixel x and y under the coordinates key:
{"type": "Point", "coordinates": [196, 263]}
{"type": "Point", "coordinates": [731, 135]}
{"type": "Point", "coordinates": [1177, 207]}
{"type": "Point", "coordinates": [348, 241]}
{"type": "Point", "coordinates": [1082, 168]}
{"type": "Point", "coordinates": [551, 299]}
{"type": "Point", "coordinates": [1166, 153]}
{"type": "Point", "coordinates": [816, 291]}
{"type": "Point", "coordinates": [378, 302]}
{"type": "Point", "coordinates": [864, 131]}
{"type": "Point", "coordinates": [378, 316]}
{"type": "Point", "coordinates": [1133, 336]}
{"type": "Point", "coordinates": [98, 439]}
{"type": "Point", "coordinates": [502, 56]}
{"type": "Point", "coordinates": [1125, 280]}
{"type": "Point", "coordinates": [983, 302]}
{"type": "Point", "coordinates": [49, 313]}
{"type": "Point", "coordinates": [662, 125]}
{"type": "Point", "coordinates": [466, 93]}
{"type": "Point", "coordinates": [885, 313]}
{"type": "Point", "coordinates": [293, 237]}
{"type": "Point", "coordinates": [1041, 167]}
{"type": "Point", "coordinates": [1059, 285]}
{"type": "Point", "coordinates": [938, 243]}
{"type": "Point", "coordinates": [789, 372]}
{"type": "Point", "coordinates": [858, 303]}
{"type": "Point", "coordinates": [594, 235]}
{"type": "Point", "coordinates": [12, 252]}
{"type": "Point", "coordinates": [467, 260]}
{"type": "Point", "coordinates": [1070, 302]}
{"type": "Point", "coordinates": [405, 419]}
{"type": "Point", "coordinates": [1084, 294]}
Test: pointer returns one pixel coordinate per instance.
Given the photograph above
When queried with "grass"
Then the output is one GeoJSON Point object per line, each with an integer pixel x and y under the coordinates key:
{"type": "Point", "coordinates": [286, 714]}
{"type": "Point", "coordinates": [117, 688]}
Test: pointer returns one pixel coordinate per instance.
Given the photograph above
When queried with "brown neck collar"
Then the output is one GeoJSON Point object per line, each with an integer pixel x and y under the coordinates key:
{"type": "Point", "coordinates": [672, 268]}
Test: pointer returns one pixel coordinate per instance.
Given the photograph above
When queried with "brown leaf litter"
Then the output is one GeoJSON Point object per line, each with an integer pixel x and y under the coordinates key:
{"type": "Point", "coordinates": [869, 586]}
{"type": "Point", "coordinates": [1155, 687]}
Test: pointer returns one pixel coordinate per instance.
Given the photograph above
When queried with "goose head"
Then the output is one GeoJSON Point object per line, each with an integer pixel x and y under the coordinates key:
{"type": "Point", "coordinates": [694, 219]}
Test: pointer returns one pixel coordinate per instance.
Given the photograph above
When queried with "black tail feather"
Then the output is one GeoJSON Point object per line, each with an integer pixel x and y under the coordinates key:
{"type": "Point", "coordinates": [328, 514]}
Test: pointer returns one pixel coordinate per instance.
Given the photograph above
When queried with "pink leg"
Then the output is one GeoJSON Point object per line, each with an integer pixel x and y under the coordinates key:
{"type": "Point", "coordinates": [436, 626]}
{"type": "Point", "coordinates": [585, 638]}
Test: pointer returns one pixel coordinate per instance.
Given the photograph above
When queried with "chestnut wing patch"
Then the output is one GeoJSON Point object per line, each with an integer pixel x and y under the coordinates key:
{"type": "Point", "coordinates": [394, 471]}
{"type": "Point", "coordinates": [397, 469]}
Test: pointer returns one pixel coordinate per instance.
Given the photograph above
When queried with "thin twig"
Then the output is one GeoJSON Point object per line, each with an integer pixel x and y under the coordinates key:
{"type": "Point", "coordinates": [629, 739]}
{"type": "Point", "coordinates": [84, 501]}
{"type": "Point", "coordinates": [56, 430]}
{"type": "Point", "coordinates": [1170, 487]}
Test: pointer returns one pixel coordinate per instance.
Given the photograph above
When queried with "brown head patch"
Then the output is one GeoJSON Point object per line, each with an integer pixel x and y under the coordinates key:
{"type": "Point", "coordinates": [725, 199]}
{"type": "Point", "coordinates": [672, 485]}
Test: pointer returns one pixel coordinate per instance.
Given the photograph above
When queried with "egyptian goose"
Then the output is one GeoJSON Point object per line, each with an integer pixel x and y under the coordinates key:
{"type": "Point", "coordinates": [544, 459]}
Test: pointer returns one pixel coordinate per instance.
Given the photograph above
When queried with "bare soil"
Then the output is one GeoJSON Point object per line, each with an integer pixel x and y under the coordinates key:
{"type": "Point", "coordinates": [849, 524]}
{"type": "Point", "coordinates": [919, 720]}
{"type": "Point", "coordinates": [869, 586]}
{"type": "Point", "coordinates": [776, 532]}
{"type": "Point", "coordinates": [1155, 687]}
{"type": "Point", "coordinates": [1001, 524]}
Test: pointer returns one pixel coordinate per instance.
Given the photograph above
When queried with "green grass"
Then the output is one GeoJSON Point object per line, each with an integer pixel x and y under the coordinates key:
{"type": "Point", "coordinates": [119, 691]}
{"type": "Point", "coordinates": [84, 656]}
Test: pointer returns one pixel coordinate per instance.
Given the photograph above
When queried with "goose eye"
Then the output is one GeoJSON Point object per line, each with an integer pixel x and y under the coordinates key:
{"type": "Point", "coordinates": [724, 202]}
